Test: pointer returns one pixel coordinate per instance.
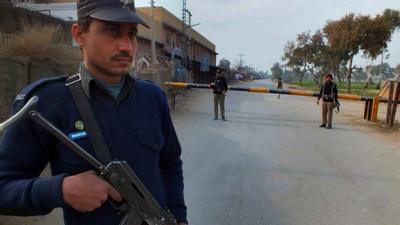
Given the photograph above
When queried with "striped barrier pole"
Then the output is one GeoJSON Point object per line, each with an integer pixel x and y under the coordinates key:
{"type": "Point", "coordinates": [272, 91]}
{"type": "Point", "coordinates": [371, 103]}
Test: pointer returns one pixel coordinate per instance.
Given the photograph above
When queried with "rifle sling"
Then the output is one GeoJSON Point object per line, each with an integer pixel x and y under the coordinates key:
{"type": "Point", "coordinates": [89, 119]}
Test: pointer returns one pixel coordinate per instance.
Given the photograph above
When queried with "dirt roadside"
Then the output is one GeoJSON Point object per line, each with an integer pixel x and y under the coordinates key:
{"type": "Point", "coordinates": [353, 111]}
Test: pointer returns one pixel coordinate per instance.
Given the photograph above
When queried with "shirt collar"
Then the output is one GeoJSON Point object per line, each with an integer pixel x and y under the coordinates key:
{"type": "Point", "coordinates": [87, 79]}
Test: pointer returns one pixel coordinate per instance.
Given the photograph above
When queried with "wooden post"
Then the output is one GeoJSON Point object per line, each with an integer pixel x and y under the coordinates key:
{"type": "Point", "coordinates": [369, 110]}
{"type": "Point", "coordinates": [366, 109]}
{"type": "Point", "coordinates": [394, 107]}
{"type": "Point", "coordinates": [390, 103]}
{"type": "Point", "coordinates": [375, 108]}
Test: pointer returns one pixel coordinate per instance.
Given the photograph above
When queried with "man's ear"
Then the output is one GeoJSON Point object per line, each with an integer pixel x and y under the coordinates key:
{"type": "Point", "coordinates": [78, 34]}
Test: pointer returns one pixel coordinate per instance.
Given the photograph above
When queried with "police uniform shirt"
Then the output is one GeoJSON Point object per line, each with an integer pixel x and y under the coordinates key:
{"type": "Point", "coordinates": [137, 128]}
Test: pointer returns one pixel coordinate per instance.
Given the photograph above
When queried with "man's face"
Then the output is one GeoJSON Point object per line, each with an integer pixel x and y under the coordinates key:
{"type": "Point", "coordinates": [328, 78]}
{"type": "Point", "coordinates": [108, 48]}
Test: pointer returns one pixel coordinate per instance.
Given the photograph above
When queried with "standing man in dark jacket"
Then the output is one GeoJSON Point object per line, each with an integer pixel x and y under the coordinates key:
{"type": "Point", "coordinates": [132, 114]}
{"type": "Point", "coordinates": [279, 86]}
{"type": "Point", "coordinates": [220, 87]}
{"type": "Point", "coordinates": [329, 94]}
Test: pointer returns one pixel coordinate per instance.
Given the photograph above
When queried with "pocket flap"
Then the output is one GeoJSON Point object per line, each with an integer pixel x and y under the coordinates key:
{"type": "Point", "coordinates": [151, 137]}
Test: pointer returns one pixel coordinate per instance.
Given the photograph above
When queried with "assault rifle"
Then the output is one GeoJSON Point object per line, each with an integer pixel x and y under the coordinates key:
{"type": "Point", "coordinates": [139, 206]}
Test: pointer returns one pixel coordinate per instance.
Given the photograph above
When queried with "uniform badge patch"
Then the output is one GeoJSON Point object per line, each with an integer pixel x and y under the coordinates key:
{"type": "Point", "coordinates": [79, 125]}
{"type": "Point", "coordinates": [77, 135]}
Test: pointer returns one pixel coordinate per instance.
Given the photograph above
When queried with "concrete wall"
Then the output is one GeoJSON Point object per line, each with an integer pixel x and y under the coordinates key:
{"type": "Point", "coordinates": [157, 75]}
{"type": "Point", "coordinates": [13, 20]}
{"type": "Point", "coordinates": [13, 77]}
{"type": "Point", "coordinates": [15, 74]}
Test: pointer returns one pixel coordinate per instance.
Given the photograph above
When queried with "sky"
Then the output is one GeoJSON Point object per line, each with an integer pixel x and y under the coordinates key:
{"type": "Point", "coordinates": [259, 29]}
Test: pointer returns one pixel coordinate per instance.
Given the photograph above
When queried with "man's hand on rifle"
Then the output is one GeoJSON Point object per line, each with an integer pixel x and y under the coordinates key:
{"type": "Point", "coordinates": [86, 191]}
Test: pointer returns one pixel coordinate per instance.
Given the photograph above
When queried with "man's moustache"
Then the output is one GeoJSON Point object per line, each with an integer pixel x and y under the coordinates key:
{"type": "Point", "coordinates": [121, 55]}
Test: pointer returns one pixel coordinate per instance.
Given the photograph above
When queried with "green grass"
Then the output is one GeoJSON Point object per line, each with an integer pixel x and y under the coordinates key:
{"type": "Point", "coordinates": [356, 88]}
{"type": "Point", "coordinates": [305, 83]}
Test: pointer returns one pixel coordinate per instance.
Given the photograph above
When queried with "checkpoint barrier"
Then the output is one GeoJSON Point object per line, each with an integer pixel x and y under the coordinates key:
{"type": "Point", "coordinates": [391, 91]}
{"type": "Point", "coordinates": [371, 103]}
{"type": "Point", "coordinates": [271, 91]}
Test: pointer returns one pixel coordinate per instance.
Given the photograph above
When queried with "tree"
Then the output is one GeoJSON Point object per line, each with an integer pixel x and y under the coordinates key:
{"type": "Point", "coordinates": [288, 76]}
{"type": "Point", "coordinates": [333, 49]}
{"type": "Point", "coordinates": [397, 71]}
{"type": "Point", "coordinates": [383, 71]}
{"type": "Point", "coordinates": [377, 35]}
{"type": "Point", "coordinates": [297, 55]}
{"type": "Point", "coordinates": [224, 64]}
{"type": "Point", "coordinates": [345, 38]}
{"type": "Point", "coordinates": [320, 57]}
{"type": "Point", "coordinates": [360, 75]}
{"type": "Point", "coordinates": [276, 71]}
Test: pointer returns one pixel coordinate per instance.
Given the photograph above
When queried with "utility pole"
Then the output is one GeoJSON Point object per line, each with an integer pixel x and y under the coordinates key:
{"type": "Point", "coordinates": [381, 68]}
{"type": "Point", "coordinates": [153, 42]}
{"type": "Point", "coordinates": [184, 33]}
{"type": "Point", "coordinates": [241, 60]}
{"type": "Point", "coordinates": [188, 35]}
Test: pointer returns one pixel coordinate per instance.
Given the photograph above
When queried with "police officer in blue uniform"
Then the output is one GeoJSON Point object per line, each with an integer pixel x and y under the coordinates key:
{"type": "Point", "coordinates": [133, 117]}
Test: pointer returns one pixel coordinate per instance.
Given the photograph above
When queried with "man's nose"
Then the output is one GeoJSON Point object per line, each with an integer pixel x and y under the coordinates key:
{"type": "Point", "coordinates": [126, 43]}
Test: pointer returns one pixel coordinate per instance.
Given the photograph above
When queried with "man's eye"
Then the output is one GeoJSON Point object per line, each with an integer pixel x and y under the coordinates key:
{"type": "Point", "coordinates": [132, 34]}
{"type": "Point", "coordinates": [112, 31]}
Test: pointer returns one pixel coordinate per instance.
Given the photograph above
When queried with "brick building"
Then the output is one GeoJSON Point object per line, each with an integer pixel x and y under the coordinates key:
{"type": "Point", "coordinates": [193, 60]}
{"type": "Point", "coordinates": [200, 53]}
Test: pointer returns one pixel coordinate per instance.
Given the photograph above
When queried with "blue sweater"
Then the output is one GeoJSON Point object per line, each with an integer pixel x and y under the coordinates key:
{"type": "Point", "coordinates": [137, 129]}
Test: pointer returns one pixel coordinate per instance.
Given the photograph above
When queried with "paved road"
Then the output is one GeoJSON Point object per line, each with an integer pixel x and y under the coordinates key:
{"type": "Point", "coordinates": [270, 164]}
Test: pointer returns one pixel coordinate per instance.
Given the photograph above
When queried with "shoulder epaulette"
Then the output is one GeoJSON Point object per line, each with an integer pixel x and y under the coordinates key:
{"type": "Point", "coordinates": [145, 80]}
{"type": "Point", "coordinates": [34, 86]}
{"type": "Point", "coordinates": [136, 77]}
{"type": "Point", "coordinates": [150, 81]}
